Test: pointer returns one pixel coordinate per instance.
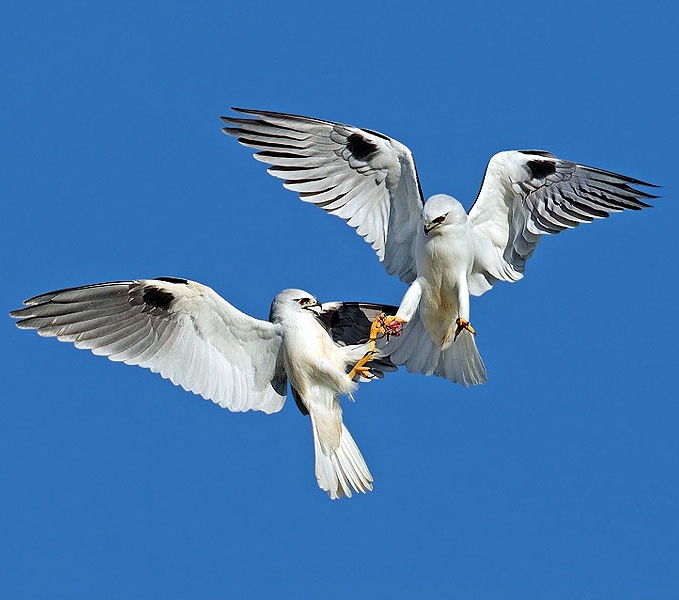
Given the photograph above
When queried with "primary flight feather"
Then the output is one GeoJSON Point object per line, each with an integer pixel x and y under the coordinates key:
{"type": "Point", "coordinates": [443, 253]}
{"type": "Point", "coordinates": [189, 334]}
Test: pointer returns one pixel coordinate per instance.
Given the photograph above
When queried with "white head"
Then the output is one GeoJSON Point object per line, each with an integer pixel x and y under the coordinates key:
{"type": "Point", "coordinates": [442, 209]}
{"type": "Point", "coordinates": [292, 301]}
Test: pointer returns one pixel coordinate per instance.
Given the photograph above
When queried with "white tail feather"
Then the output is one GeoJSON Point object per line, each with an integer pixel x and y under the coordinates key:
{"type": "Point", "coordinates": [341, 469]}
{"type": "Point", "coordinates": [460, 362]}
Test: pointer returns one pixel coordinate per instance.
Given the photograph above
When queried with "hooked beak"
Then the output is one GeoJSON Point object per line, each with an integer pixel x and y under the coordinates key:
{"type": "Point", "coordinates": [314, 308]}
{"type": "Point", "coordinates": [434, 223]}
{"type": "Point", "coordinates": [429, 226]}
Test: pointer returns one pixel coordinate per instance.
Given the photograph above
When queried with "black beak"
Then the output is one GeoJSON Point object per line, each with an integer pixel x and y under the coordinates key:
{"type": "Point", "coordinates": [314, 308]}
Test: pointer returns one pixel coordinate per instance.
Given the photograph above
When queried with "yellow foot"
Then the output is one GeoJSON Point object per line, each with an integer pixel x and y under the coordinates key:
{"type": "Point", "coordinates": [463, 324]}
{"type": "Point", "coordinates": [384, 325]}
{"type": "Point", "coordinates": [361, 369]}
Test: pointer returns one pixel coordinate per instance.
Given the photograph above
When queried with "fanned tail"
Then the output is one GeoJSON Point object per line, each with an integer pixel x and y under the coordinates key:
{"type": "Point", "coordinates": [461, 362]}
{"type": "Point", "coordinates": [458, 362]}
{"type": "Point", "coordinates": [340, 469]}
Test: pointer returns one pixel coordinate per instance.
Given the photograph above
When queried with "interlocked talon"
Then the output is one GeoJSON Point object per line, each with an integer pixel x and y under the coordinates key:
{"type": "Point", "coordinates": [463, 324]}
{"type": "Point", "coordinates": [384, 325]}
{"type": "Point", "coordinates": [361, 369]}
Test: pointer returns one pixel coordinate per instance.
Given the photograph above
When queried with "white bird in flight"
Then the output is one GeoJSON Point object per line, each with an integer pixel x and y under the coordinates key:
{"type": "Point", "coordinates": [443, 253]}
{"type": "Point", "coordinates": [189, 334]}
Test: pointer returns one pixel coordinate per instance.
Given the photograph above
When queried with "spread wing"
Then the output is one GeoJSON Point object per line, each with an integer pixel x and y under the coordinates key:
{"type": "Point", "coordinates": [181, 329]}
{"type": "Point", "coordinates": [528, 193]}
{"type": "Point", "coordinates": [348, 323]}
{"type": "Point", "coordinates": [362, 176]}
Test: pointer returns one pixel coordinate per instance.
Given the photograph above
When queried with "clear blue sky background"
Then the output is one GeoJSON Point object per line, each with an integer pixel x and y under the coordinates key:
{"type": "Point", "coordinates": [557, 479]}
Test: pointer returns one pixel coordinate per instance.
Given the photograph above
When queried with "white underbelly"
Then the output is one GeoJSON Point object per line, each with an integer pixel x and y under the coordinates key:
{"type": "Point", "coordinates": [445, 264]}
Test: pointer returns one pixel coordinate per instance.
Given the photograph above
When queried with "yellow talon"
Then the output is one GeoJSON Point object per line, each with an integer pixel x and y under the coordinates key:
{"type": "Point", "coordinates": [360, 368]}
{"type": "Point", "coordinates": [463, 324]}
{"type": "Point", "coordinates": [384, 325]}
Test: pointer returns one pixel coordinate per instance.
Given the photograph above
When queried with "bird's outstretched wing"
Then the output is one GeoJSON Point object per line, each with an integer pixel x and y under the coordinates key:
{"type": "Point", "coordinates": [528, 193]}
{"type": "Point", "coordinates": [181, 329]}
{"type": "Point", "coordinates": [362, 176]}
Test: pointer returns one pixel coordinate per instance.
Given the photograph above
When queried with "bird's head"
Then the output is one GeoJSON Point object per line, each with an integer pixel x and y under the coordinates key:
{"type": "Point", "coordinates": [442, 210]}
{"type": "Point", "coordinates": [295, 301]}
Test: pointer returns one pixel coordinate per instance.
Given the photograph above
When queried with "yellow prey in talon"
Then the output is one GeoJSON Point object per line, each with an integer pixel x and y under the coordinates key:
{"type": "Point", "coordinates": [384, 325]}
{"type": "Point", "coordinates": [463, 324]}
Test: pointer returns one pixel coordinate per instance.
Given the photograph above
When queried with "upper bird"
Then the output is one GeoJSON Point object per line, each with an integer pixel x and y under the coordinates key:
{"type": "Point", "coordinates": [443, 252]}
{"type": "Point", "coordinates": [189, 334]}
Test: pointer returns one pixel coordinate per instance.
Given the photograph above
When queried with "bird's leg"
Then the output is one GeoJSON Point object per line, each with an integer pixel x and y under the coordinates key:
{"type": "Point", "coordinates": [384, 325]}
{"type": "Point", "coordinates": [463, 324]}
{"type": "Point", "coordinates": [360, 367]}
{"type": "Point", "coordinates": [381, 326]}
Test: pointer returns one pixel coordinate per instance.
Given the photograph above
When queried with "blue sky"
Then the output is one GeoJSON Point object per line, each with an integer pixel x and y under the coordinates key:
{"type": "Point", "coordinates": [556, 479]}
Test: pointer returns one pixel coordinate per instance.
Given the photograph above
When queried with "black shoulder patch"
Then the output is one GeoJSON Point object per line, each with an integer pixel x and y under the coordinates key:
{"type": "Point", "coordinates": [360, 147]}
{"type": "Point", "coordinates": [172, 279]}
{"type": "Point", "coordinates": [539, 169]}
{"type": "Point", "coordinates": [157, 298]}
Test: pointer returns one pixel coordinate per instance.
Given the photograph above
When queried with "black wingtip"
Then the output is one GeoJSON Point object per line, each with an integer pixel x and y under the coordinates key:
{"type": "Point", "coordinates": [643, 194]}
{"type": "Point", "coordinates": [235, 121]}
{"type": "Point", "coordinates": [230, 120]}
{"type": "Point", "coordinates": [263, 114]}
{"type": "Point", "coordinates": [544, 153]}
{"type": "Point", "coordinates": [259, 113]}
{"type": "Point", "coordinates": [179, 280]}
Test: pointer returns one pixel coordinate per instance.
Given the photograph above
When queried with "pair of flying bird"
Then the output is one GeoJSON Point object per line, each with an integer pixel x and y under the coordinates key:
{"type": "Point", "coordinates": [189, 334]}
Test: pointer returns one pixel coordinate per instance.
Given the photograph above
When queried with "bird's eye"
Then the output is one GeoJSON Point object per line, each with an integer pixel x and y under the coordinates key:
{"type": "Point", "coordinates": [439, 220]}
{"type": "Point", "coordinates": [304, 301]}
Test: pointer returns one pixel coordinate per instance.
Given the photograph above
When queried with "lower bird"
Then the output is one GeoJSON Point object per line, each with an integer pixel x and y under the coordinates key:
{"type": "Point", "coordinates": [189, 334]}
{"type": "Point", "coordinates": [443, 253]}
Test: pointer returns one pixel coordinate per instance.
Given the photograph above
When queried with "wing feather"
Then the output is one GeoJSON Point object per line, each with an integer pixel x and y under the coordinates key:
{"type": "Point", "coordinates": [178, 328]}
{"type": "Point", "coordinates": [528, 193]}
{"type": "Point", "coordinates": [361, 176]}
